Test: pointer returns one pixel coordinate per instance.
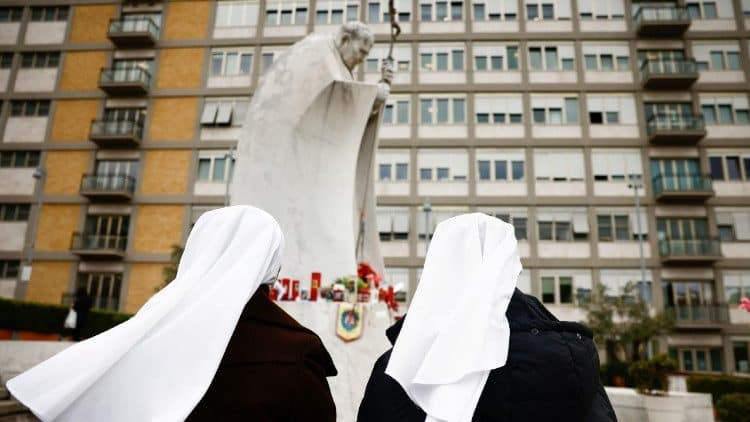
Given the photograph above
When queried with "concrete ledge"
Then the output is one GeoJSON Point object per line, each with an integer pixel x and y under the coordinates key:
{"type": "Point", "coordinates": [18, 356]}
{"type": "Point", "coordinates": [676, 407]}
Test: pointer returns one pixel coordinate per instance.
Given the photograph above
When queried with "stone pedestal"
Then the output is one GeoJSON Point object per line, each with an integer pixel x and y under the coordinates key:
{"type": "Point", "coordinates": [354, 360]}
{"type": "Point", "coordinates": [676, 407]}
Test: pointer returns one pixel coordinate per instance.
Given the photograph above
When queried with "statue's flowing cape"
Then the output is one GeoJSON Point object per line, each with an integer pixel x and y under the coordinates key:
{"type": "Point", "coordinates": [157, 365]}
{"type": "Point", "coordinates": [306, 155]}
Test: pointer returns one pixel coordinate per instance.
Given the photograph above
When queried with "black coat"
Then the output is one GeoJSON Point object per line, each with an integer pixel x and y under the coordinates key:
{"type": "Point", "coordinates": [552, 374]}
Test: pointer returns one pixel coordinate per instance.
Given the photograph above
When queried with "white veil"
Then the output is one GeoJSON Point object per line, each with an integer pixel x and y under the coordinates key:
{"type": "Point", "coordinates": [456, 330]}
{"type": "Point", "coordinates": [157, 365]}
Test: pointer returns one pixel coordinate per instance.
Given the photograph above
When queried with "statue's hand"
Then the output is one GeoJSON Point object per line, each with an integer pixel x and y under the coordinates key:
{"type": "Point", "coordinates": [384, 90]}
{"type": "Point", "coordinates": [387, 72]}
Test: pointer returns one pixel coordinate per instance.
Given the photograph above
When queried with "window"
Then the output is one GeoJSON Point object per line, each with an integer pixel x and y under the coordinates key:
{"type": "Point", "coordinates": [49, 13]}
{"type": "Point", "coordinates": [559, 231]}
{"type": "Point", "coordinates": [230, 63]}
{"type": "Point", "coordinates": [557, 289]}
{"type": "Point", "coordinates": [396, 172]}
{"type": "Point", "coordinates": [518, 220]}
{"type": "Point", "coordinates": [493, 109]}
{"type": "Point", "coordinates": [736, 286]}
{"type": "Point", "coordinates": [442, 111]}
{"type": "Point", "coordinates": [14, 212]}
{"type": "Point", "coordinates": [544, 11]}
{"type": "Point", "coordinates": [555, 111]}
{"type": "Point", "coordinates": [606, 62]}
{"type": "Point", "coordinates": [733, 224]}
{"type": "Point", "coordinates": [493, 59]}
{"type": "Point", "coordinates": [224, 112]}
{"type": "Point", "coordinates": [613, 227]}
{"type": "Point", "coordinates": [6, 60]}
{"type": "Point", "coordinates": [393, 223]}
{"type": "Point", "coordinates": [19, 158]}
{"type": "Point", "coordinates": [438, 11]}
{"type": "Point", "coordinates": [730, 167]}
{"type": "Point", "coordinates": [697, 359]}
{"type": "Point", "coordinates": [725, 110]}
{"type": "Point", "coordinates": [9, 268]}
{"type": "Point", "coordinates": [702, 10]}
{"type": "Point", "coordinates": [103, 288]}
{"type": "Point", "coordinates": [442, 165]}
{"type": "Point", "coordinates": [11, 14]}
{"type": "Point", "coordinates": [287, 13]}
{"type": "Point", "coordinates": [741, 357]}
{"type": "Point", "coordinates": [336, 12]}
{"type": "Point", "coordinates": [547, 58]}
{"type": "Point", "coordinates": [236, 13]}
{"type": "Point", "coordinates": [495, 10]}
{"type": "Point", "coordinates": [214, 168]}
{"type": "Point", "coordinates": [266, 61]}
{"type": "Point", "coordinates": [396, 112]}
{"type": "Point", "coordinates": [558, 165]}
{"type": "Point", "coordinates": [441, 59]}
{"type": "Point", "coordinates": [601, 9]}
{"type": "Point", "coordinates": [30, 108]}
{"type": "Point", "coordinates": [500, 169]}
{"type": "Point", "coordinates": [612, 109]}
{"type": "Point", "coordinates": [40, 59]}
{"type": "Point", "coordinates": [377, 11]}
{"type": "Point", "coordinates": [379, 53]}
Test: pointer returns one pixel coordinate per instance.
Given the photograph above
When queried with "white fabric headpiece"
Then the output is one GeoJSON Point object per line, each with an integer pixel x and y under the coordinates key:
{"type": "Point", "coordinates": [157, 365]}
{"type": "Point", "coordinates": [456, 330]}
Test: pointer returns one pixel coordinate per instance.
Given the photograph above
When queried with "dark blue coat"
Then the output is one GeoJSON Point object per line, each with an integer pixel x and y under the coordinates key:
{"type": "Point", "coordinates": [552, 374]}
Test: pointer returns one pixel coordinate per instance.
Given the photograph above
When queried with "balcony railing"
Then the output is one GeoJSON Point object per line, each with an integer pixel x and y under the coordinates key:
{"type": "Point", "coordinates": [98, 245]}
{"type": "Point", "coordinates": [690, 250]}
{"type": "Point", "coordinates": [116, 133]}
{"type": "Point", "coordinates": [696, 186]}
{"type": "Point", "coordinates": [132, 32]}
{"type": "Point", "coordinates": [675, 128]}
{"type": "Point", "coordinates": [129, 81]}
{"type": "Point", "coordinates": [676, 73]}
{"type": "Point", "coordinates": [700, 314]}
{"type": "Point", "coordinates": [107, 185]}
{"type": "Point", "coordinates": [661, 21]}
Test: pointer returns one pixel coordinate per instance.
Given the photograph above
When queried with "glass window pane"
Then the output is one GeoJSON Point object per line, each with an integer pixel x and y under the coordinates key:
{"type": "Point", "coordinates": [373, 12]}
{"type": "Point", "coordinates": [501, 170]}
{"type": "Point", "coordinates": [717, 60]}
{"type": "Point", "coordinates": [442, 110]}
{"type": "Point", "coordinates": [716, 360]}
{"type": "Point", "coordinates": [566, 290]}
{"type": "Point", "coordinates": [300, 17]}
{"type": "Point", "coordinates": [441, 11]}
{"type": "Point", "coordinates": [425, 111]}
{"type": "Point", "coordinates": [246, 61]}
{"type": "Point", "coordinates": [352, 11]}
{"type": "Point", "coordinates": [604, 225]}
{"type": "Point", "coordinates": [623, 63]}
{"type": "Point", "coordinates": [425, 61]}
{"type": "Point", "coordinates": [402, 112]}
{"type": "Point", "coordinates": [425, 12]}
{"type": "Point", "coordinates": [548, 290]}
{"type": "Point", "coordinates": [733, 60]}
{"type": "Point", "coordinates": [388, 114]}
{"type": "Point", "coordinates": [622, 229]}
{"type": "Point", "coordinates": [709, 114]}
{"type": "Point", "coordinates": [442, 61]}
{"type": "Point", "coordinates": [402, 170]}
{"type": "Point", "coordinates": [484, 169]}
{"type": "Point", "coordinates": [512, 53]}
{"type": "Point", "coordinates": [733, 168]}
{"type": "Point", "coordinates": [725, 114]}
{"type": "Point", "coordinates": [442, 173]}
{"type": "Point", "coordinates": [532, 11]}
{"type": "Point", "coordinates": [590, 60]}
{"type": "Point", "coordinates": [550, 58]}
{"type": "Point", "coordinates": [483, 118]}
{"type": "Point", "coordinates": [478, 12]}
{"type": "Point", "coordinates": [571, 110]}
{"type": "Point", "coordinates": [545, 230]}
{"type": "Point", "coordinates": [384, 172]}
{"type": "Point", "coordinates": [457, 10]}
{"type": "Point", "coordinates": [555, 116]}
{"type": "Point", "coordinates": [204, 165]}
{"type": "Point", "coordinates": [562, 231]}
{"type": "Point", "coordinates": [517, 169]}
{"type": "Point", "coordinates": [219, 167]}
{"type": "Point", "coordinates": [607, 62]}
{"type": "Point", "coordinates": [535, 58]}
{"type": "Point", "coordinates": [742, 117]}
{"type": "Point", "coordinates": [539, 115]}
{"type": "Point", "coordinates": [709, 10]}
{"type": "Point", "coordinates": [480, 63]}
{"type": "Point", "coordinates": [496, 62]}
{"type": "Point", "coordinates": [425, 174]}
{"type": "Point", "coordinates": [700, 360]}
{"type": "Point", "coordinates": [459, 110]}
{"type": "Point", "coordinates": [687, 360]}
{"type": "Point", "coordinates": [458, 59]}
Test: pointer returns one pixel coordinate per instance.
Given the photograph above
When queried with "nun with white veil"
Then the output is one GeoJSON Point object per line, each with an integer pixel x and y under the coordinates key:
{"type": "Point", "coordinates": [160, 364]}
{"type": "Point", "coordinates": [473, 347]}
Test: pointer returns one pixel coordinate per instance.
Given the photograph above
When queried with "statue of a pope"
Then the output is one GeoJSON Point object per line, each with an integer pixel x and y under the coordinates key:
{"type": "Point", "coordinates": [307, 149]}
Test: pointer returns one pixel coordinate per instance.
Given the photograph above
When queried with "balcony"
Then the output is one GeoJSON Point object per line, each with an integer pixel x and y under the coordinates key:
{"type": "Point", "coordinates": [116, 133]}
{"type": "Point", "coordinates": [668, 74]}
{"type": "Point", "coordinates": [689, 251]}
{"type": "Point", "coordinates": [141, 32]}
{"type": "Point", "coordinates": [107, 187]}
{"type": "Point", "coordinates": [690, 188]}
{"type": "Point", "coordinates": [98, 246]}
{"type": "Point", "coordinates": [661, 21]}
{"type": "Point", "coordinates": [124, 82]}
{"type": "Point", "coordinates": [675, 129]}
{"type": "Point", "coordinates": [699, 315]}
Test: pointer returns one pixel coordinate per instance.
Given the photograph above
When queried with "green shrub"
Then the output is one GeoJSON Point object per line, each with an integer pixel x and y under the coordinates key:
{"type": "Point", "coordinates": [611, 370]}
{"type": "Point", "coordinates": [734, 407]}
{"type": "Point", "coordinates": [718, 385]}
{"type": "Point", "coordinates": [653, 374]}
{"type": "Point", "coordinates": [16, 315]}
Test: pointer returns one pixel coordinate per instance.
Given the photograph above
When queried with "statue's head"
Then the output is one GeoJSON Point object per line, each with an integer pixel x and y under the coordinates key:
{"type": "Point", "coordinates": [354, 41]}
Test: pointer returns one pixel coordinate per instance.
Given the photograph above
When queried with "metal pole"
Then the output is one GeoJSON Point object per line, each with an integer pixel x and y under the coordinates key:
{"type": "Point", "coordinates": [39, 174]}
{"type": "Point", "coordinates": [426, 208]}
{"type": "Point", "coordinates": [635, 184]}
{"type": "Point", "coordinates": [230, 166]}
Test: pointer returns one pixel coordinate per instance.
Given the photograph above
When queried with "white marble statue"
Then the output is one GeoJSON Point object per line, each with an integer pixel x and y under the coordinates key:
{"type": "Point", "coordinates": [306, 153]}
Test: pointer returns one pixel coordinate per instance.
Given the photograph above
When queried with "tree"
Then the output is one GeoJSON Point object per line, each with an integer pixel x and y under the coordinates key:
{"type": "Point", "coordinates": [170, 271]}
{"type": "Point", "coordinates": [623, 324]}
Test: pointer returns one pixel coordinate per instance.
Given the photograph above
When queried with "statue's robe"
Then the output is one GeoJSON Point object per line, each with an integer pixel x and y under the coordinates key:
{"type": "Point", "coordinates": [306, 156]}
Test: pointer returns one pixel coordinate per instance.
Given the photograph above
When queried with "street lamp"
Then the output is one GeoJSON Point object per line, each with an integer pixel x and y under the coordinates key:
{"type": "Point", "coordinates": [635, 184]}
{"type": "Point", "coordinates": [229, 157]}
{"type": "Point", "coordinates": [426, 208]}
{"type": "Point", "coordinates": [39, 175]}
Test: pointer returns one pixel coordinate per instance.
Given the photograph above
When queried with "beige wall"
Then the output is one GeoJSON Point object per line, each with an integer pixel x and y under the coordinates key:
{"type": "Point", "coordinates": [49, 280]}
{"type": "Point", "coordinates": [64, 171]}
{"type": "Point", "coordinates": [90, 23]}
{"type": "Point", "coordinates": [174, 119]}
{"type": "Point", "coordinates": [72, 120]}
{"type": "Point", "coordinates": [187, 20]}
{"type": "Point", "coordinates": [56, 226]}
{"type": "Point", "coordinates": [158, 227]}
{"type": "Point", "coordinates": [81, 70]}
{"type": "Point", "coordinates": [144, 280]}
{"type": "Point", "coordinates": [165, 172]}
{"type": "Point", "coordinates": [180, 68]}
